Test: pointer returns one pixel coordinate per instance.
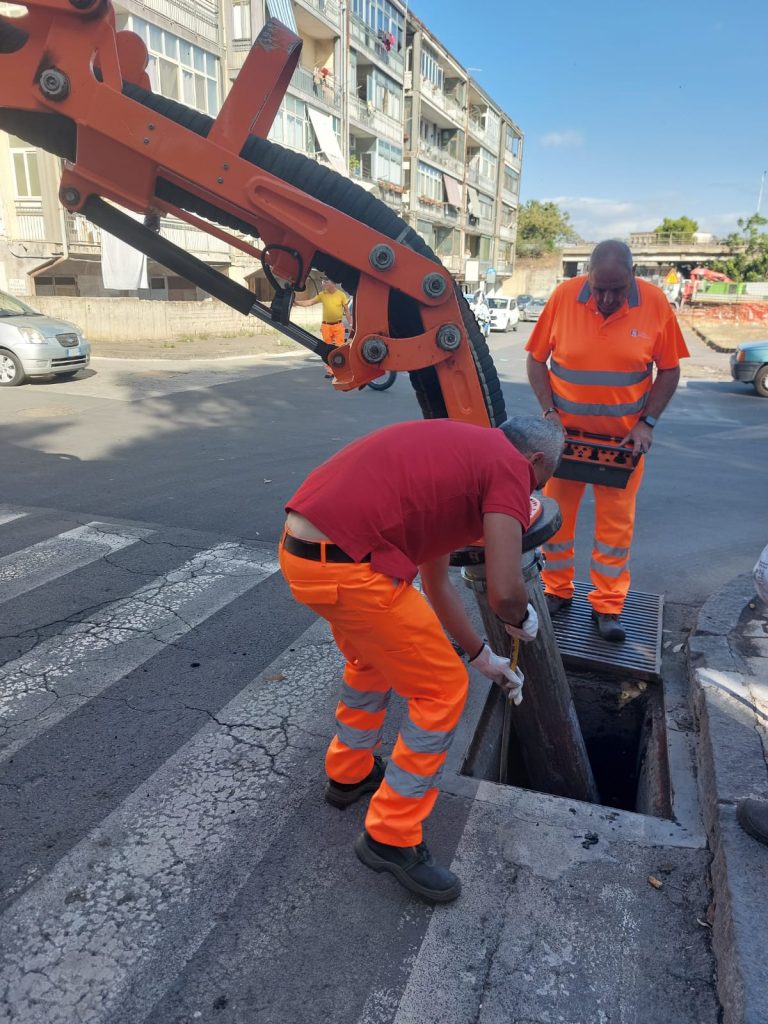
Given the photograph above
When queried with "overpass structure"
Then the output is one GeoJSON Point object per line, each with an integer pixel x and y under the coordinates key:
{"type": "Point", "coordinates": [654, 252]}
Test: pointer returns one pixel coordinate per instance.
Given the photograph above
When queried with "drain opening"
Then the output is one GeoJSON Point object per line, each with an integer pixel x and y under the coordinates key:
{"type": "Point", "coordinates": [622, 721]}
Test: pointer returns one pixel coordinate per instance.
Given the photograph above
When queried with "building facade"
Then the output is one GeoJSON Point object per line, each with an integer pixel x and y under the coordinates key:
{"type": "Point", "coordinates": [375, 96]}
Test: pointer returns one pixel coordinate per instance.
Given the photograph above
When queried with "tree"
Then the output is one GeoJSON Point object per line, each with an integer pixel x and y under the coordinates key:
{"type": "Point", "coordinates": [542, 228]}
{"type": "Point", "coordinates": [677, 226]}
{"type": "Point", "coordinates": [747, 258]}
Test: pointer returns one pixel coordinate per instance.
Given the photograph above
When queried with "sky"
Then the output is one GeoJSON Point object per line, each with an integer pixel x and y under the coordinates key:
{"type": "Point", "coordinates": [631, 111]}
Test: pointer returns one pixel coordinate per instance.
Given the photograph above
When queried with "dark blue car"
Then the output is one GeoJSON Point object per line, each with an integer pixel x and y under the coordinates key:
{"type": "Point", "coordinates": [750, 363]}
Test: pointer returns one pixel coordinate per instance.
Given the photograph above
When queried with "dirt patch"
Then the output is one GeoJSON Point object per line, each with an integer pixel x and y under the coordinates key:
{"type": "Point", "coordinates": [196, 348]}
{"type": "Point", "coordinates": [725, 328]}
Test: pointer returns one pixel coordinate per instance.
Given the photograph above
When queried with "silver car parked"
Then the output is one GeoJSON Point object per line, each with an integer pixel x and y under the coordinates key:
{"type": "Point", "coordinates": [34, 345]}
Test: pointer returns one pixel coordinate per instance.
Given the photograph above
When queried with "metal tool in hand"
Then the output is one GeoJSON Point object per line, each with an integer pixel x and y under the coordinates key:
{"type": "Point", "coordinates": [506, 725]}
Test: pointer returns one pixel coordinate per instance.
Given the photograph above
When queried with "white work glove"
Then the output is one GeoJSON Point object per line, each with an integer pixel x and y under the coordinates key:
{"type": "Point", "coordinates": [498, 670]}
{"type": "Point", "coordinates": [527, 629]}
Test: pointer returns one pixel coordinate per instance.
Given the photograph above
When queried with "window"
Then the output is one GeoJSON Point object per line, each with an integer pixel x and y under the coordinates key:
{"type": "Point", "coordinates": [487, 164]}
{"type": "Point", "coordinates": [430, 69]}
{"type": "Point", "coordinates": [241, 19]}
{"type": "Point", "coordinates": [486, 207]}
{"type": "Point", "coordinates": [511, 181]}
{"type": "Point", "coordinates": [430, 182]}
{"type": "Point", "coordinates": [384, 93]}
{"type": "Point", "coordinates": [180, 70]}
{"type": "Point", "coordinates": [383, 17]}
{"type": "Point", "coordinates": [56, 286]}
{"type": "Point", "coordinates": [292, 127]}
{"type": "Point", "coordinates": [389, 162]}
{"type": "Point", "coordinates": [26, 173]}
{"type": "Point", "coordinates": [484, 248]}
{"type": "Point", "coordinates": [512, 143]}
{"type": "Point", "coordinates": [426, 230]}
{"type": "Point", "coordinates": [507, 216]}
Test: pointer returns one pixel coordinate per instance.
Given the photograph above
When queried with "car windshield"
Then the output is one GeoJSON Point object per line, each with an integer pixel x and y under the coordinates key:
{"type": "Point", "coordinates": [498, 303]}
{"type": "Point", "coordinates": [15, 307]}
{"type": "Point", "coordinates": [523, 298]}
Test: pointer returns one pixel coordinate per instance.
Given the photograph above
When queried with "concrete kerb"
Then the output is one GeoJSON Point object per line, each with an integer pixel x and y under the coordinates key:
{"type": "Point", "coordinates": [728, 664]}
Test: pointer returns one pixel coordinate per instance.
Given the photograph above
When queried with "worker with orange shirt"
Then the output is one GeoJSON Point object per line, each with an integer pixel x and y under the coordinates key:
{"type": "Point", "coordinates": [601, 335]}
{"type": "Point", "coordinates": [335, 305]}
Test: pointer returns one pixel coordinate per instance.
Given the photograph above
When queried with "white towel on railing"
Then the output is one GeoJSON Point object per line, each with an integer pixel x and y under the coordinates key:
{"type": "Point", "coordinates": [122, 267]}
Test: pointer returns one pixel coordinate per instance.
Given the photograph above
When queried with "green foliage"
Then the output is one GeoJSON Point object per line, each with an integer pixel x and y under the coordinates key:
{"type": "Point", "coordinates": [543, 228]}
{"type": "Point", "coordinates": [747, 259]}
{"type": "Point", "coordinates": [677, 226]}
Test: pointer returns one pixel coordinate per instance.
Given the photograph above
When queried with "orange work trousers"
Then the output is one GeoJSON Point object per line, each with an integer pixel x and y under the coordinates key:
{"type": "Point", "coordinates": [333, 334]}
{"type": "Point", "coordinates": [614, 526]}
{"type": "Point", "coordinates": [391, 640]}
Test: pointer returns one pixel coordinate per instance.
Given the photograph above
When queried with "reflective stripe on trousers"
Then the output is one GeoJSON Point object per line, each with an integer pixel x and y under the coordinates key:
{"type": "Point", "coordinates": [614, 526]}
{"type": "Point", "coordinates": [391, 640]}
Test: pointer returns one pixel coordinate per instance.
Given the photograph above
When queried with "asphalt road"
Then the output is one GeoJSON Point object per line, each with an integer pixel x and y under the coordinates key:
{"type": "Point", "coordinates": [166, 855]}
{"type": "Point", "coordinates": [151, 442]}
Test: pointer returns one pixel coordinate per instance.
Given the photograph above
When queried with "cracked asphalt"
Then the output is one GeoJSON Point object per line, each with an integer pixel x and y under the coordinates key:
{"type": "Point", "coordinates": [166, 855]}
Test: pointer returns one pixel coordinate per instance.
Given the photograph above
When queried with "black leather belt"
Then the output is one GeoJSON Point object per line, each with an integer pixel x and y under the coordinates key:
{"type": "Point", "coordinates": [313, 550]}
{"type": "Point", "coordinates": [331, 323]}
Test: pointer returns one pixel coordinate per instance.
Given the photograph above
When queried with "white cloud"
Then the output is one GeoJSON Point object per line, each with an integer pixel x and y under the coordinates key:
{"type": "Point", "coordinates": [563, 139]}
{"type": "Point", "coordinates": [596, 218]}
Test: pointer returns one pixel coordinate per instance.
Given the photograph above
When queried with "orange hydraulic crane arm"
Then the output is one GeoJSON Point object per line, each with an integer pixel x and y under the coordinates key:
{"type": "Point", "coordinates": [73, 85]}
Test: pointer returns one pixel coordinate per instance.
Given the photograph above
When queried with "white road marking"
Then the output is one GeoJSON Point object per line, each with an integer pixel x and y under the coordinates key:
{"type": "Point", "coordinates": [7, 516]}
{"type": "Point", "coordinates": [60, 674]}
{"type": "Point", "coordinates": [25, 570]}
{"type": "Point", "coordinates": [126, 909]}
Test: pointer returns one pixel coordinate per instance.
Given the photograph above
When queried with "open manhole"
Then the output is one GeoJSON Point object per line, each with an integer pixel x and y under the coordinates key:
{"type": "Point", "coordinates": [623, 724]}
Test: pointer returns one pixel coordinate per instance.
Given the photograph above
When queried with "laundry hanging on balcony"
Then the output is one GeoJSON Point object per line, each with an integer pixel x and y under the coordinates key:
{"type": "Point", "coordinates": [123, 268]}
{"type": "Point", "coordinates": [326, 136]}
{"type": "Point", "coordinates": [452, 190]}
{"type": "Point", "coordinates": [283, 11]}
{"type": "Point", "coordinates": [473, 202]}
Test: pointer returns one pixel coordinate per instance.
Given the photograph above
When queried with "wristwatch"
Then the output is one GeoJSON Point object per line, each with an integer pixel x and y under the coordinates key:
{"type": "Point", "coordinates": [650, 421]}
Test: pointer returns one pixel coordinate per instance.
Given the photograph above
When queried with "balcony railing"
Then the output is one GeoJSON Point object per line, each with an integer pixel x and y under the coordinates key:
{"type": "Point", "coordinates": [441, 157]}
{"type": "Point", "coordinates": [328, 9]}
{"type": "Point", "coordinates": [321, 88]}
{"type": "Point", "coordinates": [507, 233]}
{"type": "Point", "coordinates": [478, 128]}
{"type": "Point", "coordinates": [511, 196]}
{"type": "Point", "coordinates": [30, 221]}
{"type": "Point", "coordinates": [479, 225]}
{"type": "Point", "coordinates": [667, 240]}
{"type": "Point", "coordinates": [374, 120]}
{"type": "Point", "coordinates": [437, 210]}
{"type": "Point", "coordinates": [453, 264]}
{"type": "Point", "coordinates": [435, 95]}
{"type": "Point", "coordinates": [366, 37]}
{"type": "Point", "coordinates": [81, 234]}
{"type": "Point", "coordinates": [193, 240]}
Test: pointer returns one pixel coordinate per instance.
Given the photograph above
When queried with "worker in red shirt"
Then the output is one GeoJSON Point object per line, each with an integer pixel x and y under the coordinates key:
{"type": "Point", "coordinates": [601, 336]}
{"type": "Point", "coordinates": [411, 494]}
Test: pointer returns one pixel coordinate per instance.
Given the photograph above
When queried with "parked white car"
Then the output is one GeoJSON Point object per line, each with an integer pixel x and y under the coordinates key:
{"type": "Point", "coordinates": [505, 315]}
{"type": "Point", "coordinates": [34, 345]}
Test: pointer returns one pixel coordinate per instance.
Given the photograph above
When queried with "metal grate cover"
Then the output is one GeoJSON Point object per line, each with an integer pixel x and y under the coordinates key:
{"type": "Point", "coordinates": [640, 654]}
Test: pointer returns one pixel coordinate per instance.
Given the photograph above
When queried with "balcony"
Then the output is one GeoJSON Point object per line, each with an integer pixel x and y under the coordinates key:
{"type": "Point", "coordinates": [366, 38]}
{"type": "Point", "coordinates": [442, 158]}
{"type": "Point", "coordinates": [195, 241]}
{"type": "Point", "coordinates": [507, 233]}
{"type": "Point", "coordinates": [453, 263]}
{"type": "Point", "coordinates": [238, 51]}
{"type": "Point", "coordinates": [478, 129]}
{"type": "Point", "coordinates": [328, 10]}
{"type": "Point", "coordinates": [30, 221]}
{"type": "Point", "coordinates": [82, 236]}
{"type": "Point", "coordinates": [478, 225]}
{"type": "Point", "coordinates": [374, 121]}
{"type": "Point", "coordinates": [513, 198]}
{"type": "Point", "coordinates": [436, 210]}
{"type": "Point", "coordinates": [323, 90]}
{"type": "Point", "coordinates": [442, 101]}
{"type": "Point", "coordinates": [484, 181]}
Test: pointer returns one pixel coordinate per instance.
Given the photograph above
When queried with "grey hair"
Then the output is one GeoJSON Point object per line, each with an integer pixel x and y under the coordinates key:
{"type": "Point", "coordinates": [531, 434]}
{"type": "Point", "coordinates": [613, 251]}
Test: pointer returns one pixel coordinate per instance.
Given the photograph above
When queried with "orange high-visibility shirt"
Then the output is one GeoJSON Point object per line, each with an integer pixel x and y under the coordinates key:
{"type": "Point", "coordinates": [601, 370]}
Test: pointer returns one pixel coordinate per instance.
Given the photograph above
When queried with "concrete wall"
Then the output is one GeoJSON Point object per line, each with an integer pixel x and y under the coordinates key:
{"type": "Point", "coordinates": [142, 320]}
{"type": "Point", "coordinates": [534, 277]}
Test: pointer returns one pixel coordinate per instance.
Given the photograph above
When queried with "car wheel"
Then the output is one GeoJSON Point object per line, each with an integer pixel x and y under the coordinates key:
{"type": "Point", "coordinates": [11, 371]}
{"type": "Point", "coordinates": [760, 383]}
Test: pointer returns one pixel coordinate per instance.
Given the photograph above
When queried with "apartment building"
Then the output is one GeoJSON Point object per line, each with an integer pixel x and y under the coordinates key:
{"type": "Point", "coordinates": [375, 96]}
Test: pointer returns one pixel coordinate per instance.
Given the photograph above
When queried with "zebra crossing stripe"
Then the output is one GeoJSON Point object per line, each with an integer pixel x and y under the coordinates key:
{"type": "Point", "coordinates": [34, 566]}
{"type": "Point", "coordinates": [60, 674]}
{"type": "Point", "coordinates": [128, 907]}
{"type": "Point", "coordinates": [8, 516]}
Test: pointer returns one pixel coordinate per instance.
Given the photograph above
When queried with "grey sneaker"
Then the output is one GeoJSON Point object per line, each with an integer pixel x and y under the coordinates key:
{"type": "Point", "coordinates": [342, 794]}
{"type": "Point", "coordinates": [413, 866]}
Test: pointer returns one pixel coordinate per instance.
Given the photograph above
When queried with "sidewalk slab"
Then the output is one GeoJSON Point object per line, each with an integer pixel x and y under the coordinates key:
{"type": "Point", "coordinates": [728, 661]}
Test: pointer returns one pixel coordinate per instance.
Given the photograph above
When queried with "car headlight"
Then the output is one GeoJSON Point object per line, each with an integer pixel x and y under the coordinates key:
{"type": "Point", "coordinates": [31, 335]}
{"type": "Point", "coordinates": [740, 355]}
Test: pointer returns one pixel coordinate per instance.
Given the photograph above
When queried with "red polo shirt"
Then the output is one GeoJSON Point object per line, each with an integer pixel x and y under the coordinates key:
{"type": "Point", "coordinates": [601, 369]}
{"type": "Point", "coordinates": [413, 492]}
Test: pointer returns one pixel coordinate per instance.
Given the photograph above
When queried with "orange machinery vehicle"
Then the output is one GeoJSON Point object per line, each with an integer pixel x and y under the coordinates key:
{"type": "Point", "coordinates": [73, 85]}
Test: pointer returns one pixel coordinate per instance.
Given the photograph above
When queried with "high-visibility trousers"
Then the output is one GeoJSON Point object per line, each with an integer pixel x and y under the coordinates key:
{"type": "Point", "coordinates": [333, 334]}
{"type": "Point", "coordinates": [614, 526]}
{"type": "Point", "coordinates": [391, 640]}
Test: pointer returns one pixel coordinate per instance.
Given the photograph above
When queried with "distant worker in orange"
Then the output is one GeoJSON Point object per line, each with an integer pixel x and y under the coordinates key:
{"type": "Point", "coordinates": [411, 494]}
{"type": "Point", "coordinates": [335, 305]}
{"type": "Point", "coordinates": [601, 336]}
